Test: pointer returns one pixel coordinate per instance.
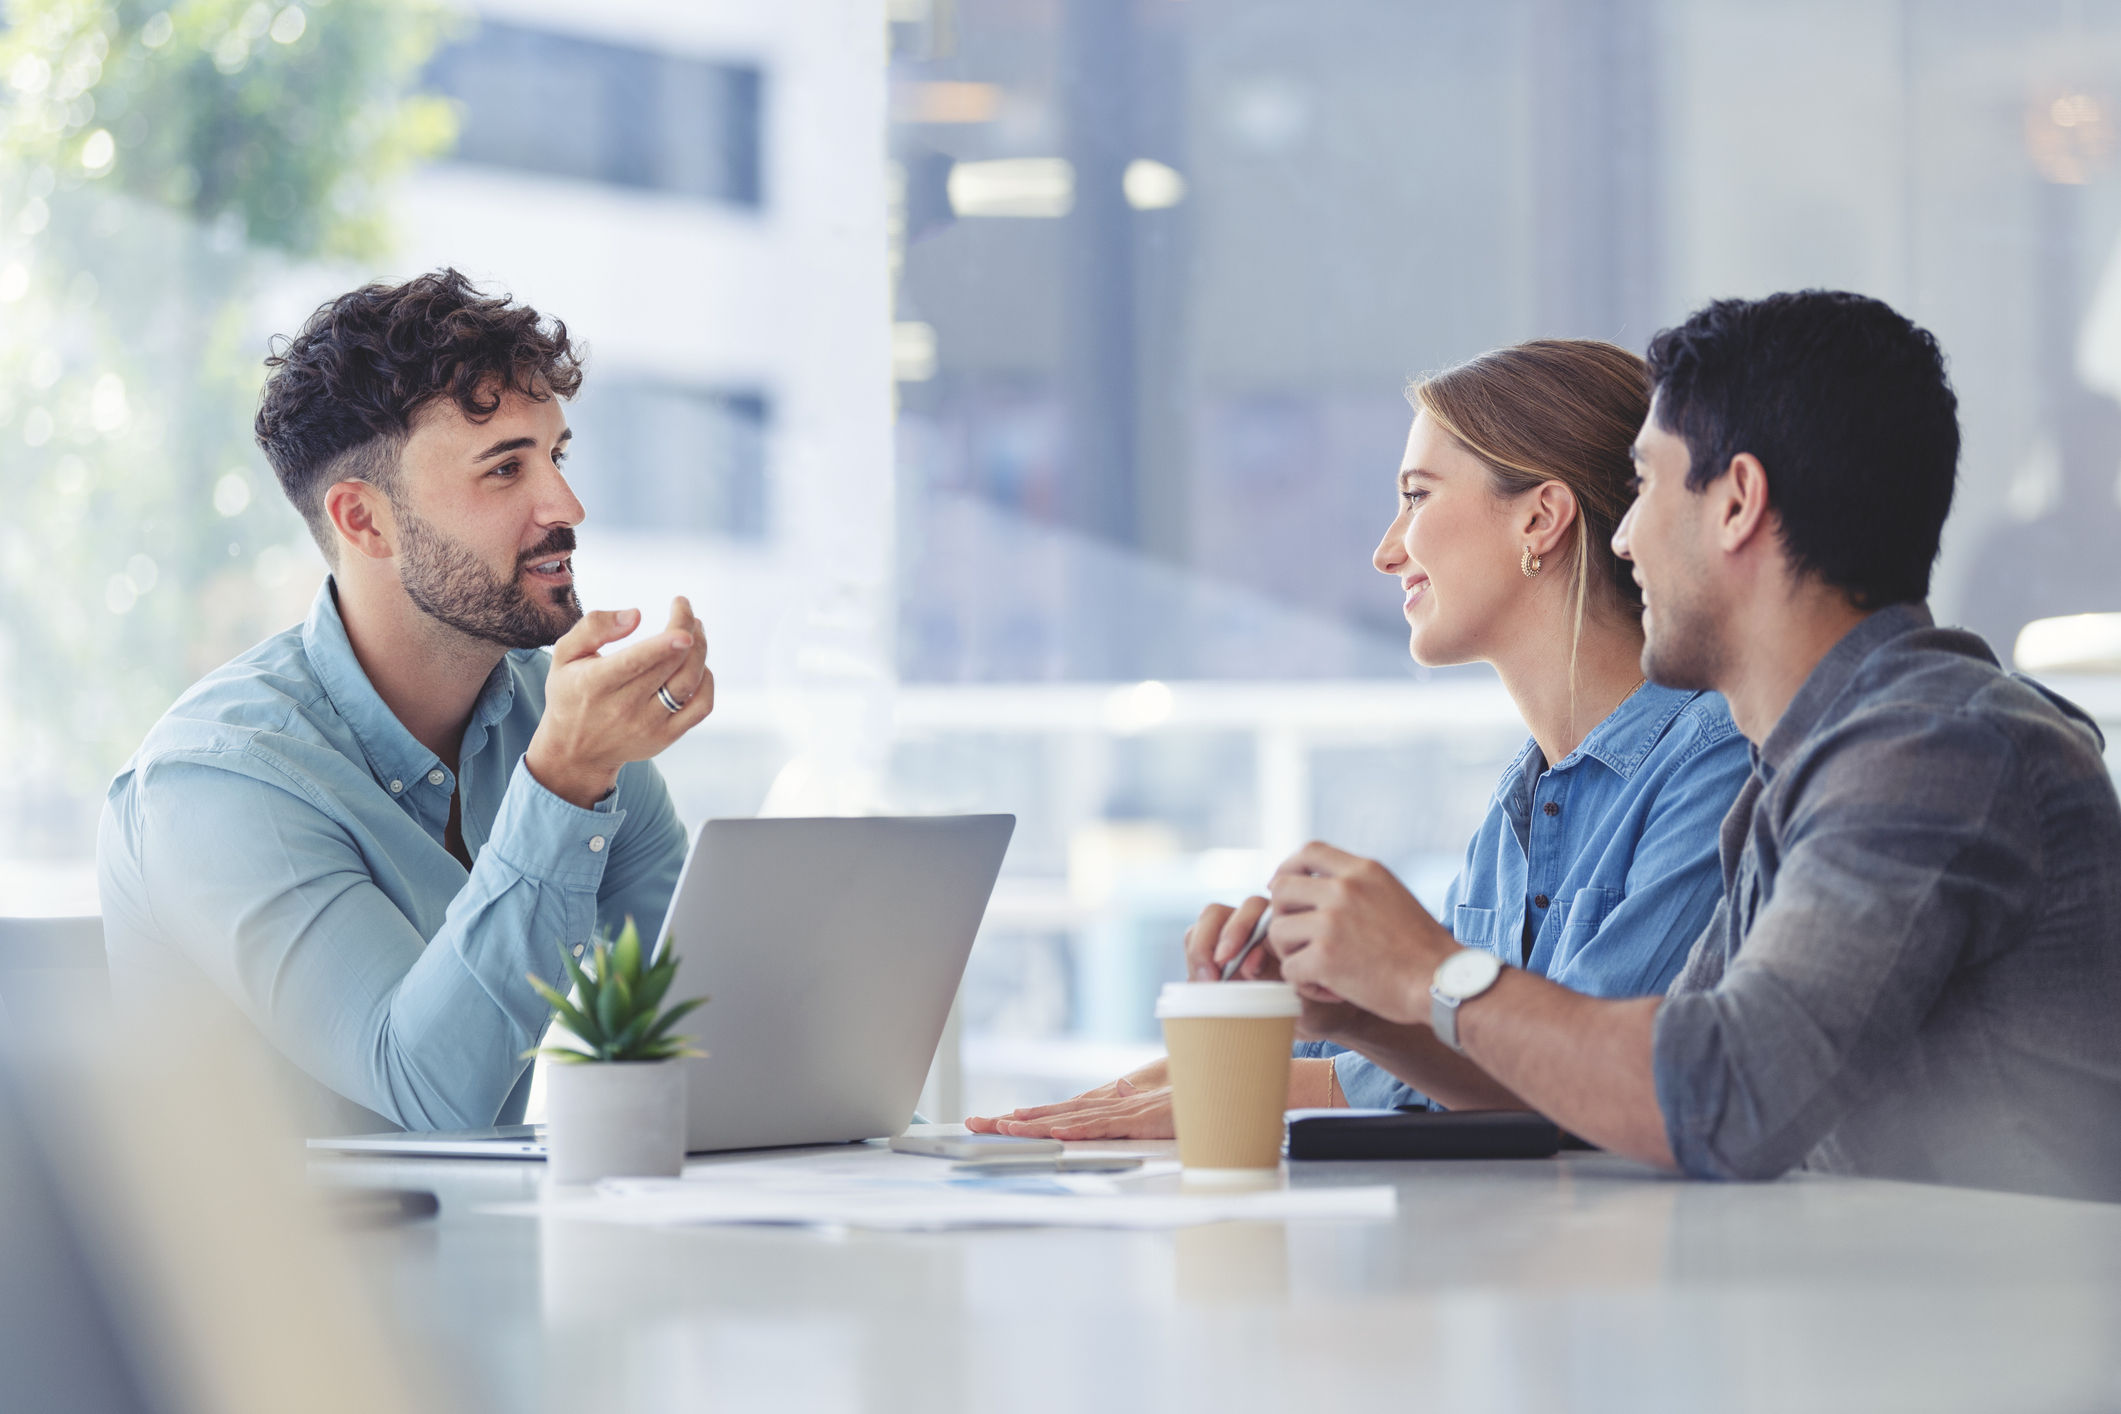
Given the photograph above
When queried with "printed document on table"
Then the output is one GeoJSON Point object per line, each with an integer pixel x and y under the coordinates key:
{"type": "Point", "coordinates": [905, 1193]}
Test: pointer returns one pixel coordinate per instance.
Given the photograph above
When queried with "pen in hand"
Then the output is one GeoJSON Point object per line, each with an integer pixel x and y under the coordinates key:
{"type": "Point", "coordinates": [1259, 934]}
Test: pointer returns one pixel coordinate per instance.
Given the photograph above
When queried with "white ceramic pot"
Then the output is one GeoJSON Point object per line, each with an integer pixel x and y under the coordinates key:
{"type": "Point", "coordinates": [614, 1119]}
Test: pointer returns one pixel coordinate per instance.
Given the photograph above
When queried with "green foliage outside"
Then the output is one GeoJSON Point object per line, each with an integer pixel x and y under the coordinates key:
{"type": "Point", "coordinates": [164, 167]}
{"type": "Point", "coordinates": [614, 1013]}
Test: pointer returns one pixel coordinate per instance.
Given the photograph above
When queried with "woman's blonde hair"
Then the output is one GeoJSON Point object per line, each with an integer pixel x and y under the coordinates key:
{"type": "Point", "coordinates": [1563, 410]}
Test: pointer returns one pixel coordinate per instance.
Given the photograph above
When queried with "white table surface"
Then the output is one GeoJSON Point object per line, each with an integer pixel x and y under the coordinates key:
{"type": "Point", "coordinates": [1584, 1282]}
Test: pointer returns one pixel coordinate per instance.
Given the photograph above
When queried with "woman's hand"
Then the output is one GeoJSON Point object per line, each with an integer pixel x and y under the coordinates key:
{"type": "Point", "coordinates": [1136, 1106]}
{"type": "Point", "coordinates": [1219, 934]}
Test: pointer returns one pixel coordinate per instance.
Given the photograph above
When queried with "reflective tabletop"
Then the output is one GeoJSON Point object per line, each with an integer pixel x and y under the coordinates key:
{"type": "Point", "coordinates": [1579, 1282]}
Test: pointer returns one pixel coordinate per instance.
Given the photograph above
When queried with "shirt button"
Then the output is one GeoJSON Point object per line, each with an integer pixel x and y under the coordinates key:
{"type": "Point", "coordinates": [1552, 808]}
{"type": "Point", "coordinates": [1540, 900]}
{"type": "Point", "coordinates": [577, 949]}
{"type": "Point", "coordinates": [435, 778]}
{"type": "Point", "coordinates": [396, 786]}
{"type": "Point", "coordinates": [596, 844]}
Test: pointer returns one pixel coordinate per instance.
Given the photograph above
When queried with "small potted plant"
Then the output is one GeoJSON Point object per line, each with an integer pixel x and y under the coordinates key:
{"type": "Point", "coordinates": [615, 1103]}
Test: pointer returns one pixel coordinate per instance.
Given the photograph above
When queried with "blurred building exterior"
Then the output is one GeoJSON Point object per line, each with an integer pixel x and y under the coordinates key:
{"type": "Point", "coordinates": [1376, 189]}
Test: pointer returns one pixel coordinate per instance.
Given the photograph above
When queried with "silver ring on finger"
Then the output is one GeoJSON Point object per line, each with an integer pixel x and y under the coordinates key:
{"type": "Point", "coordinates": [662, 695]}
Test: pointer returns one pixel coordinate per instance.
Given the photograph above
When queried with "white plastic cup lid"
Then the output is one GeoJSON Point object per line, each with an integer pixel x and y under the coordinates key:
{"type": "Point", "coordinates": [1242, 999]}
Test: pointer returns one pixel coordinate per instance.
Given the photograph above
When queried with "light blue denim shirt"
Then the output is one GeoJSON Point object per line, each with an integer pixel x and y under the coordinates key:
{"type": "Point", "coordinates": [1610, 853]}
{"type": "Point", "coordinates": [280, 837]}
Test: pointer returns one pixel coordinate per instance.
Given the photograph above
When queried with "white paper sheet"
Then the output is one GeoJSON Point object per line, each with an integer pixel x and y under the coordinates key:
{"type": "Point", "coordinates": [898, 1193]}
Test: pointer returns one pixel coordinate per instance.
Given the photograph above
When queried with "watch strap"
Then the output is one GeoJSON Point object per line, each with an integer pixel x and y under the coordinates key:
{"type": "Point", "coordinates": [1443, 1006]}
{"type": "Point", "coordinates": [1443, 1018]}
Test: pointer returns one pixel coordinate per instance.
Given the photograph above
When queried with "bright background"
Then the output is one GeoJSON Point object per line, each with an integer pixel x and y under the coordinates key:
{"type": "Point", "coordinates": [1016, 385]}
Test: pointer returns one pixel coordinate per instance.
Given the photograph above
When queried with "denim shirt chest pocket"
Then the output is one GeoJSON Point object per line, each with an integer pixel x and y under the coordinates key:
{"type": "Point", "coordinates": [1479, 928]}
{"type": "Point", "coordinates": [1584, 915]}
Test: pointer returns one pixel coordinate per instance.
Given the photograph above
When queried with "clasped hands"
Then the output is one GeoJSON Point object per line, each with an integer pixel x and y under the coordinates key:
{"type": "Point", "coordinates": [1358, 947]}
{"type": "Point", "coordinates": [602, 712]}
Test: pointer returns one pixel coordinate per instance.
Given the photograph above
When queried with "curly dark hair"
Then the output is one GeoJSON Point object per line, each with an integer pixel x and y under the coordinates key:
{"type": "Point", "coordinates": [342, 394]}
{"type": "Point", "coordinates": [1848, 406]}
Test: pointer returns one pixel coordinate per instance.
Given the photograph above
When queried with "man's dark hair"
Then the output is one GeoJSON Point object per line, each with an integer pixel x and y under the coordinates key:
{"type": "Point", "coordinates": [342, 394]}
{"type": "Point", "coordinates": [1846, 404]}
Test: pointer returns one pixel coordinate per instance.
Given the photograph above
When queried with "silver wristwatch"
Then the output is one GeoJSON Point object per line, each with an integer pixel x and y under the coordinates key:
{"type": "Point", "coordinates": [1463, 976]}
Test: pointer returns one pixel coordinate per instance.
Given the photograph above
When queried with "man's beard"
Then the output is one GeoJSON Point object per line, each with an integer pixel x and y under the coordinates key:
{"type": "Point", "coordinates": [1682, 649]}
{"type": "Point", "coordinates": [447, 582]}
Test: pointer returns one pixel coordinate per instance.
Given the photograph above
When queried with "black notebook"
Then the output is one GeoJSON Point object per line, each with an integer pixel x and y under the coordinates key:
{"type": "Point", "coordinates": [1425, 1134]}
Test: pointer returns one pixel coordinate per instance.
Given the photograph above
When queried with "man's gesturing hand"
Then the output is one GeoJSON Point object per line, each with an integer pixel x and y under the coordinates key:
{"type": "Point", "coordinates": [602, 712]}
{"type": "Point", "coordinates": [1345, 929]}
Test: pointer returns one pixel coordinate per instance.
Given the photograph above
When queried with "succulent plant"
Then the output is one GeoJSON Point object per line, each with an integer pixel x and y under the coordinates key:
{"type": "Point", "coordinates": [614, 1010]}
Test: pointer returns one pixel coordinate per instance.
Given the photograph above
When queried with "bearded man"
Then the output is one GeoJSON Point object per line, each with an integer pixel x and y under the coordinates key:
{"type": "Point", "coordinates": [369, 830]}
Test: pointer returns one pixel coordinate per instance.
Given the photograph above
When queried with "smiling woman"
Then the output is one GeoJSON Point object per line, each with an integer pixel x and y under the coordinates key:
{"type": "Point", "coordinates": [1591, 398]}
{"type": "Point", "coordinates": [1596, 862]}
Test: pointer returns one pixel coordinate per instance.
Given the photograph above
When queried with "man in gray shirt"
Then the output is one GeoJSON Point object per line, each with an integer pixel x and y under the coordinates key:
{"type": "Point", "coordinates": [1915, 971]}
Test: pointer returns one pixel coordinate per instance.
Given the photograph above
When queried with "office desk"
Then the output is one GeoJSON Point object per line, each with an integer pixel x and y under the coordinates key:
{"type": "Point", "coordinates": [1582, 1282]}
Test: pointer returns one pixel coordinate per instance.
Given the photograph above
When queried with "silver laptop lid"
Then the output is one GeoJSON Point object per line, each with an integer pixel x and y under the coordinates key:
{"type": "Point", "coordinates": [830, 951]}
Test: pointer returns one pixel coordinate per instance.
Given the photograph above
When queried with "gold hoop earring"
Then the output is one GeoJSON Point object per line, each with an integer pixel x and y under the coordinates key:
{"type": "Point", "coordinates": [1531, 563]}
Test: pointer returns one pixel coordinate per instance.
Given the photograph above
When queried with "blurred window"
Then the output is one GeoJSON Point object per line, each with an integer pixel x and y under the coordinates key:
{"type": "Point", "coordinates": [655, 456]}
{"type": "Point", "coordinates": [573, 107]}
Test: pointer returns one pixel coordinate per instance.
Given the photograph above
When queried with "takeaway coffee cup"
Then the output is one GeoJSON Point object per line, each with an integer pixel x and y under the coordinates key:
{"type": "Point", "coordinates": [1229, 1047]}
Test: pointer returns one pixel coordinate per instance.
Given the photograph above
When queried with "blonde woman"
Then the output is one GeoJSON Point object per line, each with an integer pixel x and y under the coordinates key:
{"type": "Point", "coordinates": [1596, 862]}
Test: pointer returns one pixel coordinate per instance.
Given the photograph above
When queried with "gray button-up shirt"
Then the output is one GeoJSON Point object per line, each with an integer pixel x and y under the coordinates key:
{"type": "Point", "coordinates": [1915, 971]}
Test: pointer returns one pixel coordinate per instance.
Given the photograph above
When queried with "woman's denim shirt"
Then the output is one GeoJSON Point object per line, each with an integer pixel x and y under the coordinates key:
{"type": "Point", "coordinates": [1610, 854]}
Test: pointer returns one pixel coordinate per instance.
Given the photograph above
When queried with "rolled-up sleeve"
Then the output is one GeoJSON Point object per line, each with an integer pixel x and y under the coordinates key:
{"type": "Point", "coordinates": [1909, 850]}
{"type": "Point", "coordinates": [1364, 1084]}
{"type": "Point", "coordinates": [1369, 1086]}
{"type": "Point", "coordinates": [249, 874]}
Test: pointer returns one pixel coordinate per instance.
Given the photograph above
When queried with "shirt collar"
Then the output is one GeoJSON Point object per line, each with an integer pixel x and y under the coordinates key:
{"type": "Point", "coordinates": [394, 753]}
{"type": "Point", "coordinates": [1621, 743]}
{"type": "Point", "coordinates": [1831, 674]}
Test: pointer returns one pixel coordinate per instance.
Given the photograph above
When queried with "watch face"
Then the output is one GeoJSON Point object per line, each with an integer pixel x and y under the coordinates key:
{"type": "Point", "coordinates": [1467, 972]}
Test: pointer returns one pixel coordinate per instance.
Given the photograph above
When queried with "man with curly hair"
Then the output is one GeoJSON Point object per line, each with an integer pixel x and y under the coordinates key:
{"type": "Point", "coordinates": [369, 830]}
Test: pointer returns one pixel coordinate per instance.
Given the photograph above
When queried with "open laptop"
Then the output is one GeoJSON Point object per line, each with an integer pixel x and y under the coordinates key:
{"type": "Point", "coordinates": [830, 951]}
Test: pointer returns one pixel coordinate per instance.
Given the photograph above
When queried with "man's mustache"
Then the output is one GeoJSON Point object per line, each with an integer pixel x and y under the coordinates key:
{"type": "Point", "coordinates": [560, 542]}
